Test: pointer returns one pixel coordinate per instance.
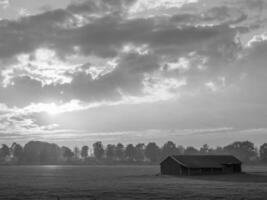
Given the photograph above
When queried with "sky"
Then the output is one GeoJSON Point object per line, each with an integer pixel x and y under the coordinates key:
{"type": "Point", "coordinates": [190, 71]}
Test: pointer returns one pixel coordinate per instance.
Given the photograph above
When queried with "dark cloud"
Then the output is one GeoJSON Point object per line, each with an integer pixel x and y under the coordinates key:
{"type": "Point", "coordinates": [29, 33]}
{"type": "Point", "coordinates": [105, 37]}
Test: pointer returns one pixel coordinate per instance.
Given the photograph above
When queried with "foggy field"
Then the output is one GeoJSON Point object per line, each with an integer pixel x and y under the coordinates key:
{"type": "Point", "coordinates": [125, 182]}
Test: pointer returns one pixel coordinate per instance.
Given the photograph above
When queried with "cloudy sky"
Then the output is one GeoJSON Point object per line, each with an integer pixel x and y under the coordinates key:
{"type": "Point", "coordinates": [191, 71]}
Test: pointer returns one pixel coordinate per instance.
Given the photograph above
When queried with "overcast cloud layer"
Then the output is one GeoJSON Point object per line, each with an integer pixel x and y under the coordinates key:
{"type": "Point", "coordinates": [193, 71]}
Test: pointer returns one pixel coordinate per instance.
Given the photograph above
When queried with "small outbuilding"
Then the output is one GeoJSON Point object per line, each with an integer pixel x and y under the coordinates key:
{"type": "Point", "coordinates": [188, 165]}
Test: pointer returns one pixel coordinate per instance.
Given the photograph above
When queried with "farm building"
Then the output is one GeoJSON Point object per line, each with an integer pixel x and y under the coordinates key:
{"type": "Point", "coordinates": [200, 165]}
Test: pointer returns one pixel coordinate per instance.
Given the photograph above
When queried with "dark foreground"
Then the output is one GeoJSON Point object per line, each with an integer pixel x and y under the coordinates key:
{"type": "Point", "coordinates": [125, 182]}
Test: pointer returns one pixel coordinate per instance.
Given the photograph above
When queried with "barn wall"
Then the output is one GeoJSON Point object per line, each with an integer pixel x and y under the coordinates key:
{"type": "Point", "coordinates": [204, 171]}
{"type": "Point", "coordinates": [217, 170]}
{"type": "Point", "coordinates": [195, 171]}
{"type": "Point", "coordinates": [237, 168]}
{"type": "Point", "coordinates": [228, 169]}
{"type": "Point", "coordinates": [184, 171]}
{"type": "Point", "coordinates": [233, 168]}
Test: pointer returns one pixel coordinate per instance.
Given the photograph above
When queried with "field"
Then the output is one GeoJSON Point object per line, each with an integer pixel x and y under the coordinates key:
{"type": "Point", "coordinates": [125, 182]}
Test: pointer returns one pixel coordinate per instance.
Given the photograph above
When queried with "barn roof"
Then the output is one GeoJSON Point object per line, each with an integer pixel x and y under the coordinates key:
{"type": "Point", "coordinates": [205, 161]}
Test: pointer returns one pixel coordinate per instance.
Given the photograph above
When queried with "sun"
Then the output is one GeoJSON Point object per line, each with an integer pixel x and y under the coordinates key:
{"type": "Point", "coordinates": [51, 109]}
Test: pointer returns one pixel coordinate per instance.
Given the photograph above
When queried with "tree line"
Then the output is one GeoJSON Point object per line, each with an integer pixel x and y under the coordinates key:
{"type": "Point", "coordinates": [36, 152]}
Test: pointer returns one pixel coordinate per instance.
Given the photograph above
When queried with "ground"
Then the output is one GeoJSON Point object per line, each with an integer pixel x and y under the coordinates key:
{"type": "Point", "coordinates": [126, 182]}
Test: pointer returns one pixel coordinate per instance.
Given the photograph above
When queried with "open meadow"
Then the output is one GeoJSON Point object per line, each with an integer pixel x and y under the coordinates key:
{"type": "Point", "coordinates": [125, 182]}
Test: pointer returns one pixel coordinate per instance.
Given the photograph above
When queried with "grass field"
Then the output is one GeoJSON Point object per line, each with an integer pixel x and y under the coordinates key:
{"type": "Point", "coordinates": [125, 182]}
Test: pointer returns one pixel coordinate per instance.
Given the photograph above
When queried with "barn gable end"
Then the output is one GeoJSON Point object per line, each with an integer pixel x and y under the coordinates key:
{"type": "Point", "coordinates": [171, 166]}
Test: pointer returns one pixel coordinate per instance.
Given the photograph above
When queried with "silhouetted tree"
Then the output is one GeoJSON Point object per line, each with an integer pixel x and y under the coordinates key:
{"type": "Point", "coordinates": [245, 151]}
{"type": "Point", "coordinates": [191, 151]}
{"type": "Point", "coordinates": [130, 152]}
{"type": "Point", "coordinates": [17, 152]}
{"type": "Point", "coordinates": [41, 152]}
{"type": "Point", "coordinates": [152, 152]}
{"type": "Point", "coordinates": [4, 152]}
{"type": "Point", "coordinates": [77, 153]}
{"type": "Point", "coordinates": [35, 152]}
{"type": "Point", "coordinates": [111, 152]}
{"type": "Point", "coordinates": [119, 151]}
{"type": "Point", "coordinates": [67, 153]}
{"type": "Point", "coordinates": [84, 152]}
{"type": "Point", "coordinates": [180, 149]}
{"type": "Point", "coordinates": [32, 151]}
{"type": "Point", "coordinates": [98, 150]}
{"type": "Point", "coordinates": [168, 149]}
{"type": "Point", "coordinates": [263, 153]}
{"type": "Point", "coordinates": [204, 149]}
{"type": "Point", "coordinates": [139, 153]}
{"type": "Point", "coordinates": [50, 153]}
{"type": "Point", "coordinates": [218, 151]}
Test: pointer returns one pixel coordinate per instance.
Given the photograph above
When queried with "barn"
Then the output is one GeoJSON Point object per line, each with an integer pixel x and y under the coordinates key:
{"type": "Point", "coordinates": [189, 165]}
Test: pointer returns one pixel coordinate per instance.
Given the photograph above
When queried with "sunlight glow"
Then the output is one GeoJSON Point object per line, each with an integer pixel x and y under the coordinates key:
{"type": "Point", "coordinates": [143, 5]}
{"type": "Point", "coordinates": [53, 108]}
